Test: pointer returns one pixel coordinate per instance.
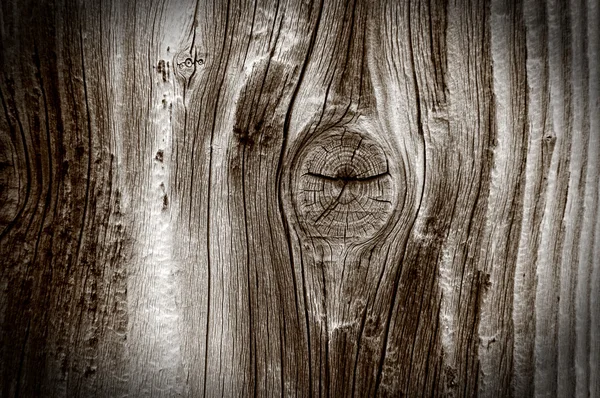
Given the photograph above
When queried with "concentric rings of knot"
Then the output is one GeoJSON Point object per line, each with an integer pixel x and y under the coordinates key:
{"type": "Point", "coordinates": [345, 189]}
{"type": "Point", "coordinates": [188, 63]}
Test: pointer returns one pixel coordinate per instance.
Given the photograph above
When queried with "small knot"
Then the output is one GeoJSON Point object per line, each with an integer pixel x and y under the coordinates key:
{"type": "Point", "coordinates": [186, 64]}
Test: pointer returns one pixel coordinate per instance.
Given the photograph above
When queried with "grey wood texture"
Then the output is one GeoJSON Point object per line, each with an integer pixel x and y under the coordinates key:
{"type": "Point", "coordinates": [299, 198]}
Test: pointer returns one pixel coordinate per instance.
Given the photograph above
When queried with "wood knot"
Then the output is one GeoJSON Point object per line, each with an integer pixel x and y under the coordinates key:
{"type": "Point", "coordinates": [343, 186]}
{"type": "Point", "coordinates": [186, 64]}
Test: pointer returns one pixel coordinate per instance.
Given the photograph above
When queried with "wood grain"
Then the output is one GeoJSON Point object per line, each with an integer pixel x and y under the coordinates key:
{"type": "Point", "coordinates": [312, 198]}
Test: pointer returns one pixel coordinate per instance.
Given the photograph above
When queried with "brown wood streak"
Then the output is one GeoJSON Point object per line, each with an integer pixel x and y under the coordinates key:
{"type": "Point", "coordinates": [253, 341]}
{"type": "Point", "coordinates": [62, 249]}
{"type": "Point", "coordinates": [278, 353]}
{"type": "Point", "coordinates": [464, 178]}
{"type": "Point", "coordinates": [411, 358]}
{"type": "Point", "coordinates": [363, 299]}
{"type": "Point", "coordinates": [559, 137]}
{"type": "Point", "coordinates": [503, 223]}
{"type": "Point", "coordinates": [540, 147]}
{"type": "Point", "coordinates": [413, 38]}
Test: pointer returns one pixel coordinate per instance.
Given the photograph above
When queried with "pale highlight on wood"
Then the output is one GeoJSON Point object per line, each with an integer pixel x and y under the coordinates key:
{"type": "Point", "coordinates": [299, 198]}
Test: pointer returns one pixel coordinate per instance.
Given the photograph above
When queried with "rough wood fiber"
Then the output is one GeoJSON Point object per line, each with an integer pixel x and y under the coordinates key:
{"type": "Point", "coordinates": [503, 224]}
{"type": "Point", "coordinates": [299, 198]}
{"type": "Point", "coordinates": [65, 238]}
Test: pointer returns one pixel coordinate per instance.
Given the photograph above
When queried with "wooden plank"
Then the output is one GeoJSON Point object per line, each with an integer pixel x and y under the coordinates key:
{"type": "Point", "coordinates": [269, 198]}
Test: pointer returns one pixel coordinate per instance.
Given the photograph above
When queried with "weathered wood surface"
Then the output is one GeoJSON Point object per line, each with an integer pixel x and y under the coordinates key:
{"type": "Point", "coordinates": [332, 198]}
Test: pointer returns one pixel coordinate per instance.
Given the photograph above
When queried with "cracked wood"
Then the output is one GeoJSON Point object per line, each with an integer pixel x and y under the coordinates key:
{"type": "Point", "coordinates": [311, 198]}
